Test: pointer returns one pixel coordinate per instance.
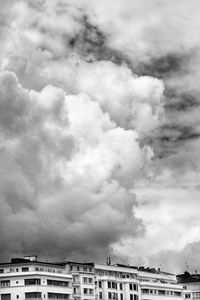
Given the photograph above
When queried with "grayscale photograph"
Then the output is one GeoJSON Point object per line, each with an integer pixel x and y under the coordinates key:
{"type": "Point", "coordinates": [99, 149]}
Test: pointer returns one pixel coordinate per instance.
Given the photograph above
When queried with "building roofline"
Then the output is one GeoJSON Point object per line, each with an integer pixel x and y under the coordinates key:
{"type": "Point", "coordinates": [22, 261]}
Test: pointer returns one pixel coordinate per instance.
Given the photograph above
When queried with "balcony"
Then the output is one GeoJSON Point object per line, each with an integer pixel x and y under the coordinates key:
{"type": "Point", "coordinates": [34, 299]}
{"type": "Point", "coordinates": [75, 283]}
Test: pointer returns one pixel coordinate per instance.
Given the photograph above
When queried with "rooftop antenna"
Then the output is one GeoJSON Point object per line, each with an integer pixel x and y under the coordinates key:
{"type": "Point", "coordinates": [108, 261]}
{"type": "Point", "coordinates": [187, 267]}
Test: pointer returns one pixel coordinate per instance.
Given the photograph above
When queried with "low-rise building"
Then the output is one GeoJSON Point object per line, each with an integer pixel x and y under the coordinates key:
{"type": "Point", "coordinates": [191, 284]}
{"type": "Point", "coordinates": [83, 280]}
{"type": "Point", "coordinates": [28, 279]}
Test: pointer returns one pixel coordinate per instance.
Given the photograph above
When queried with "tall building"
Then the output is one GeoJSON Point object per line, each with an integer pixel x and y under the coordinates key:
{"type": "Point", "coordinates": [30, 279]}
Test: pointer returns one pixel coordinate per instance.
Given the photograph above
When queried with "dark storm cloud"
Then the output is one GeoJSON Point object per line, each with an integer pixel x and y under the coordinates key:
{"type": "Point", "coordinates": [180, 101]}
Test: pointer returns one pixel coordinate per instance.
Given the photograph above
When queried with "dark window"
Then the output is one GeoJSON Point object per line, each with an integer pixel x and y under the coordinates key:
{"type": "Point", "coordinates": [121, 296]}
{"type": "Point", "coordinates": [5, 296]}
{"type": "Point", "coordinates": [121, 286]}
{"type": "Point", "coordinates": [130, 286]}
{"type": "Point", "coordinates": [109, 284]}
{"type": "Point", "coordinates": [145, 291]}
{"type": "Point", "coordinates": [31, 295]}
{"type": "Point", "coordinates": [58, 296]}
{"type": "Point", "coordinates": [131, 297]}
{"type": "Point", "coordinates": [17, 270]}
{"type": "Point", "coordinates": [109, 295]}
{"type": "Point", "coordinates": [100, 295]}
{"type": "Point", "coordinates": [135, 297]}
{"type": "Point", "coordinates": [113, 285]}
{"type": "Point", "coordinates": [25, 269]}
{"type": "Point", "coordinates": [57, 282]}
{"type": "Point", "coordinates": [32, 281]}
{"type": "Point", "coordinates": [5, 283]}
{"type": "Point", "coordinates": [161, 292]}
{"type": "Point", "coordinates": [1, 270]}
{"type": "Point", "coordinates": [85, 291]}
{"type": "Point", "coordinates": [100, 284]}
{"type": "Point", "coordinates": [17, 296]}
{"type": "Point", "coordinates": [178, 294]}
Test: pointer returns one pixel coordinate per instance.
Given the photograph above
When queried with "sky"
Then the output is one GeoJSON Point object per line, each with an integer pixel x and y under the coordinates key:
{"type": "Point", "coordinates": [99, 131]}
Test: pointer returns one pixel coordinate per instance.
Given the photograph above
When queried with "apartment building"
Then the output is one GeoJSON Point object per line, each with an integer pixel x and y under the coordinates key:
{"type": "Point", "coordinates": [156, 284]}
{"type": "Point", "coordinates": [191, 284]}
{"type": "Point", "coordinates": [29, 279]}
{"type": "Point", "coordinates": [116, 282]}
{"type": "Point", "coordinates": [83, 280]}
{"type": "Point", "coordinates": [122, 282]}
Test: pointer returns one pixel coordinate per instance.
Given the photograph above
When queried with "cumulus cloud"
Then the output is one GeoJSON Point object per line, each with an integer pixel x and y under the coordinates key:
{"type": "Point", "coordinates": [68, 169]}
{"type": "Point", "coordinates": [98, 101]}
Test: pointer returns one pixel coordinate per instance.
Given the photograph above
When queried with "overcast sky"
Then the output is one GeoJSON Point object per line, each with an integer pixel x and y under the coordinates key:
{"type": "Point", "coordinates": [99, 131]}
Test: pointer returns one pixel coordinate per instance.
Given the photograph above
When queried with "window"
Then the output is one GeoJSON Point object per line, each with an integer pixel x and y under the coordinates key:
{"type": "Point", "coordinates": [100, 295]}
{"type": "Point", "coordinates": [161, 292]}
{"type": "Point", "coordinates": [135, 287]}
{"type": "Point", "coordinates": [135, 297]}
{"type": "Point", "coordinates": [88, 291]}
{"type": "Point", "coordinates": [85, 291]}
{"type": "Point", "coordinates": [1, 271]}
{"type": "Point", "coordinates": [5, 283]}
{"type": "Point", "coordinates": [84, 279]}
{"type": "Point", "coordinates": [114, 285]}
{"type": "Point", "coordinates": [91, 291]}
{"type": "Point", "coordinates": [5, 296]}
{"type": "Point", "coordinates": [131, 297]}
{"type": "Point", "coordinates": [32, 281]}
{"type": "Point", "coordinates": [109, 295]}
{"type": "Point", "coordinates": [145, 291]}
{"type": "Point", "coordinates": [130, 287]}
{"type": "Point", "coordinates": [121, 286]}
{"type": "Point", "coordinates": [25, 269]}
{"type": "Point", "coordinates": [178, 294]}
{"type": "Point", "coordinates": [121, 296]}
{"type": "Point", "coordinates": [58, 296]}
{"type": "Point", "coordinates": [100, 284]}
{"type": "Point", "coordinates": [57, 282]}
{"type": "Point", "coordinates": [17, 270]}
{"type": "Point", "coordinates": [33, 295]}
{"type": "Point", "coordinates": [109, 284]}
{"type": "Point", "coordinates": [17, 296]}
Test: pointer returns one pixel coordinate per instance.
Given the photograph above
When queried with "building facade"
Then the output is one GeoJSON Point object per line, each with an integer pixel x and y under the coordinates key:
{"type": "Point", "coordinates": [24, 279]}
{"type": "Point", "coordinates": [29, 279]}
{"type": "Point", "coordinates": [191, 283]}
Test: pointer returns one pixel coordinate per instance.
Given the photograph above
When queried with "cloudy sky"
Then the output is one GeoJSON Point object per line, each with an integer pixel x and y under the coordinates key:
{"type": "Point", "coordinates": [99, 131]}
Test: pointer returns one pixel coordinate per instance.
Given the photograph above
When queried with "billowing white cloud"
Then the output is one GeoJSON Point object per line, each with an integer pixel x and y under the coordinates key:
{"type": "Point", "coordinates": [99, 100]}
